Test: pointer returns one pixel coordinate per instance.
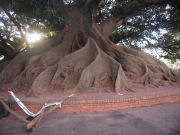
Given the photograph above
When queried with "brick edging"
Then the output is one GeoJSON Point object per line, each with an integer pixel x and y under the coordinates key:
{"type": "Point", "coordinates": [77, 106]}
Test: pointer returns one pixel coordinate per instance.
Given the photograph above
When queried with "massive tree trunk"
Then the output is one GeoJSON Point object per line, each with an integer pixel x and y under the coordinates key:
{"type": "Point", "coordinates": [83, 59]}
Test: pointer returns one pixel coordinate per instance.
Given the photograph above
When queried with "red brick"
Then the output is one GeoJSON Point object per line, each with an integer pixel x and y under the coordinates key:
{"type": "Point", "coordinates": [106, 104]}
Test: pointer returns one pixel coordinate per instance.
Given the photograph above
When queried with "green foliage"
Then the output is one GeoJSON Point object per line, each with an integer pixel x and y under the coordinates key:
{"type": "Point", "coordinates": [156, 26]}
{"type": "Point", "coordinates": [47, 12]}
{"type": "Point", "coordinates": [152, 27]}
{"type": "Point", "coordinates": [119, 7]}
{"type": "Point", "coordinates": [18, 17]}
{"type": "Point", "coordinates": [169, 43]}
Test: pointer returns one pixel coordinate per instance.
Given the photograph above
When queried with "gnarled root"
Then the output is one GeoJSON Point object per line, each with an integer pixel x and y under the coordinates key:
{"type": "Point", "coordinates": [81, 65]}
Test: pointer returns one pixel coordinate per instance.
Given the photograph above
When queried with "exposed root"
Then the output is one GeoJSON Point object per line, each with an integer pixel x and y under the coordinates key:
{"type": "Point", "coordinates": [42, 83]}
{"type": "Point", "coordinates": [156, 72]}
{"type": "Point", "coordinates": [102, 73]}
{"type": "Point", "coordinates": [14, 68]}
{"type": "Point", "coordinates": [85, 65]}
{"type": "Point", "coordinates": [72, 65]}
{"type": "Point", "coordinates": [58, 52]}
{"type": "Point", "coordinates": [122, 82]}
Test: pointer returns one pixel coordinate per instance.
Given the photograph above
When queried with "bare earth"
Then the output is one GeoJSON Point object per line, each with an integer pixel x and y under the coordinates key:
{"type": "Point", "coordinates": [156, 120]}
{"type": "Point", "coordinates": [56, 96]}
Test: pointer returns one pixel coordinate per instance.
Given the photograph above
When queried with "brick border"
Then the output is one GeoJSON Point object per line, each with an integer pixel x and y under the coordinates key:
{"type": "Point", "coordinates": [77, 106]}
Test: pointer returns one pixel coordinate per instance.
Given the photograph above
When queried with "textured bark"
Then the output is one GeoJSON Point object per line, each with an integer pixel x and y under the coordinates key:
{"type": "Point", "coordinates": [97, 65]}
{"type": "Point", "coordinates": [83, 59]}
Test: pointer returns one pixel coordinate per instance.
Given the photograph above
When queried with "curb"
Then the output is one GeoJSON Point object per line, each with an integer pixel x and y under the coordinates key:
{"type": "Point", "coordinates": [77, 106]}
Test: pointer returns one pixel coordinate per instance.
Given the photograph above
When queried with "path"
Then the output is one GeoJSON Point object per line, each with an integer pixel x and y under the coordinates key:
{"type": "Point", "coordinates": [155, 120]}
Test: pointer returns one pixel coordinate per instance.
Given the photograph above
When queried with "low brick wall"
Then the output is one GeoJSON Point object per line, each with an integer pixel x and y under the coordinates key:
{"type": "Point", "coordinates": [77, 106]}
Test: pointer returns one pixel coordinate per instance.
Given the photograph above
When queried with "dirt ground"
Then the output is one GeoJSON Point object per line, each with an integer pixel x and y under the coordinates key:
{"type": "Point", "coordinates": [55, 96]}
{"type": "Point", "coordinates": [156, 120]}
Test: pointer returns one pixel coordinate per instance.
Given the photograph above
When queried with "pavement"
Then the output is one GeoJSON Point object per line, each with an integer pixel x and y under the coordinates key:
{"type": "Point", "coordinates": [156, 120]}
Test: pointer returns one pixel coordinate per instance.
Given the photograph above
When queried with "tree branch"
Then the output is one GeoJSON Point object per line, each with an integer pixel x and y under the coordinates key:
{"type": "Point", "coordinates": [107, 26]}
{"type": "Point", "coordinates": [7, 50]}
{"type": "Point", "coordinates": [12, 112]}
{"type": "Point", "coordinates": [13, 44]}
{"type": "Point", "coordinates": [92, 5]}
{"type": "Point", "coordinates": [44, 113]}
{"type": "Point", "coordinates": [131, 9]}
{"type": "Point", "coordinates": [15, 23]}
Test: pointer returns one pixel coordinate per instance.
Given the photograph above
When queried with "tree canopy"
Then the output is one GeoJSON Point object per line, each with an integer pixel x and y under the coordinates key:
{"type": "Point", "coordinates": [155, 26]}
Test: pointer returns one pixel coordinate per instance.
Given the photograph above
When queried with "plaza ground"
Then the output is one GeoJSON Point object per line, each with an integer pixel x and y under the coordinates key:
{"type": "Point", "coordinates": [156, 120]}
